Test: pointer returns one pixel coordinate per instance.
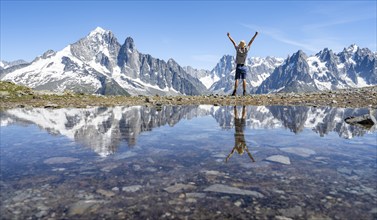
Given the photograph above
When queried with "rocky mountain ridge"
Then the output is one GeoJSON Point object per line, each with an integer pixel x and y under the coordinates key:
{"type": "Point", "coordinates": [5, 64]}
{"type": "Point", "coordinates": [354, 67]}
{"type": "Point", "coordinates": [98, 64]}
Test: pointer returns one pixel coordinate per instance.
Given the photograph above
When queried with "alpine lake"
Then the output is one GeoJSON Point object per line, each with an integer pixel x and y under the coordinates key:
{"type": "Point", "coordinates": [187, 162]}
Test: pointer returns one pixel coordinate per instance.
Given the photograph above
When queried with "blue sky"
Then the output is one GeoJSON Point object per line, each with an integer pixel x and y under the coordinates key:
{"type": "Point", "coordinates": [191, 32]}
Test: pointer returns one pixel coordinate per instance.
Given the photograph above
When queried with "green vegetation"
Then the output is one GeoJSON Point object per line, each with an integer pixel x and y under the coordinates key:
{"type": "Point", "coordinates": [9, 90]}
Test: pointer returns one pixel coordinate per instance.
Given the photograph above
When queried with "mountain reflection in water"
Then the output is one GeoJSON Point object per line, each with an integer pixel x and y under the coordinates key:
{"type": "Point", "coordinates": [103, 129]}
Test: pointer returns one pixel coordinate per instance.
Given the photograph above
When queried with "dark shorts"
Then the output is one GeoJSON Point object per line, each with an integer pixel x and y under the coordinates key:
{"type": "Point", "coordinates": [241, 71]}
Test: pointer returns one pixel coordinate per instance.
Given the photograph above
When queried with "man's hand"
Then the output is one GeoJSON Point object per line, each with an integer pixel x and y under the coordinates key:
{"type": "Point", "coordinates": [256, 33]}
{"type": "Point", "coordinates": [228, 34]}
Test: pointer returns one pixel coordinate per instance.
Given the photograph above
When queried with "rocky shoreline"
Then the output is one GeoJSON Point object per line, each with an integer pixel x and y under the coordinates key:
{"type": "Point", "coordinates": [14, 96]}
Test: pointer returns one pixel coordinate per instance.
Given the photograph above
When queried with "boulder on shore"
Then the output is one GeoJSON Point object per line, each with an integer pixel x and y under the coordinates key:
{"type": "Point", "coordinates": [366, 121]}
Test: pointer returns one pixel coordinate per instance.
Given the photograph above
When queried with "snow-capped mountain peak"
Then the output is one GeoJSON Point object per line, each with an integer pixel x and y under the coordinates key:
{"type": "Point", "coordinates": [352, 48]}
{"type": "Point", "coordinates": [5, 64]}
{"type": "Point", "coordinates": [98, 30]}
{"type": "Point", "coordinates": [353, 67]}
{"type": "Point", "coordinates": [2, 64]}
{"type": "Point", "coordinates": [98, 63]}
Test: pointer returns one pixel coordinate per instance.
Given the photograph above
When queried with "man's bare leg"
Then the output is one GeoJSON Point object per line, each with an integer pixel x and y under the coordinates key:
{"type": "Point", "coordinates": [244, 86]}
{"type": "Point", "coordinates": [235, 87]}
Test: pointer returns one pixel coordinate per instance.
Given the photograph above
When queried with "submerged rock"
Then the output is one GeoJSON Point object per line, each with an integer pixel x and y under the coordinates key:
{"type": "Point", "coordinates": [105, 193]}
{"type": "Point", "coordinates": [212, 172]}
{"type": "Point", "coordinates": [84, 206]}
{"type": "Point", "coordinates": [196, 195]}
{"type": "Point", "coordinates": [303, 152]}
{"type": "Point", "coordinates": [57, 160]}
{"type": "Point", "coordinates": [232, 190]}
{"type": "Point", "coordinates": [279, 159]}
{"type": "Point", "coordinates": [125, 155]}
{"type": "Point", "coordinates": [132, 188]}
{"type": "Point", "coordinates": [282, 218]}
{"type": "Point", "coordinates": [292, 212]}
{"type": "Point", "coordinates": [109, 168]}
{"type": "Point", "coordinates": [344, 170]}
{"type": "Point", "coordinates": [179, 187]}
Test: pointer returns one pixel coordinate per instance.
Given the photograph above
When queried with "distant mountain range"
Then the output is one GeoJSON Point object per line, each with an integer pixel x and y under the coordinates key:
{"type": "Point", "coordinates": [99, 64]}
{"type": "Point", "coordinates": [353, 67]}
{"type": "Point", "coordinates": [5, 65]}
{"type": "Point", "coordinates": [102, 129]}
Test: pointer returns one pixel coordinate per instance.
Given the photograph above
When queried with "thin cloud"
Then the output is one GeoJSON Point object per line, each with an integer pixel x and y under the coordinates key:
{"type": "Point", "coordinates": [311, 27]}
{"type": "Point", "coordinates": [305, 46]}
{"type": "Point", "coordinates": [278, 35]}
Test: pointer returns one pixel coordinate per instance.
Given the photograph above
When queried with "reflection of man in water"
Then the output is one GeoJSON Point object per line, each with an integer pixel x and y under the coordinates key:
{"type": "Point", "coordinates": [239, 137]}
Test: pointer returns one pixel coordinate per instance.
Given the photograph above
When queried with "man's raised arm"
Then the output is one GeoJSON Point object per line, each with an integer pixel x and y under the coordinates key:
{"type": "Point", "coordinates": [231, 39]}
{"type": "Point", "coordinates": [252, 39]}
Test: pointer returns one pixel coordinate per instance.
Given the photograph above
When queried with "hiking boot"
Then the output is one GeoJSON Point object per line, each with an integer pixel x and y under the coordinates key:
{"type": "Point", "coordinates": [234, 93]}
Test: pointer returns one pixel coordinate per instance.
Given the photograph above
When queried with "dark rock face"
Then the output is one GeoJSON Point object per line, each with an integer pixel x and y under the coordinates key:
{"type": "Point", "coordinates": [156, 72]}
{"type": "Point", "coordinates": [183, 82]}
{"type": "Point", "coordinates": [366, 65]}
{"type": "Point", "coordinates": [95, 44]}
{"type": "Point", "coordinates": [224, 70]}
{"type": "Point", "coordinates": [291, 76]}
{"type": "Point", "coordinates": [69, 65]}
{"type": "Point", "coordinates": [111, 87]}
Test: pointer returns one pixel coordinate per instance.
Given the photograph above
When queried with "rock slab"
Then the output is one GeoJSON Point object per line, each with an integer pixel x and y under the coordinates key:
{"type": "Point", "coordinates": [279, 159]}
{"type": "Point", "coordinates": [232, 190]}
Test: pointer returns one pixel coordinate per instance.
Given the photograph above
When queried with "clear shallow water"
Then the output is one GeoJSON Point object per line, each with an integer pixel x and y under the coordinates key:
{"type": "Point", "coordinates": [139, 163]}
